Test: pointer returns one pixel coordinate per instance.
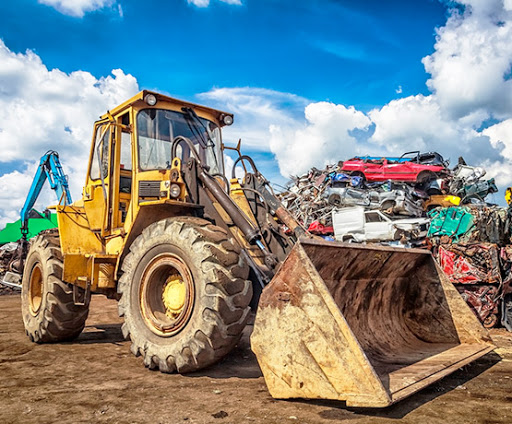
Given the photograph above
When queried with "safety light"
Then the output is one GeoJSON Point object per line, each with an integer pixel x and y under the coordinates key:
{"type": "Point", "coordinates": [150, 99]}
{"type": "Point", "coordinates": [175, 191]}
{"type": "Point", "coordinates": [227, 119]}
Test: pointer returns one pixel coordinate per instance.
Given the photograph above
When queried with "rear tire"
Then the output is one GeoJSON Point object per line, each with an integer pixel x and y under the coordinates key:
{"type": "Point", "coordinates": [184, 295]}
{"type": "Point", "coordinates": [358, 174]}
{"type": "Point", "coordinates": [425, 176]}
{"type": "Point", "coordinates": [49, 312]}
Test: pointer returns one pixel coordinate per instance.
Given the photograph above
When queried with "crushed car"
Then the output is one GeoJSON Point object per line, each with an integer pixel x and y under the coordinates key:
{"type": "Point", "coordinates": [357, 224]}
{"type": "Point", "coordinates": [428, 158]}
{"type": "Point", "coordinates": [396, 201]}
{"type": "Point", "coordinates": [396, 169]}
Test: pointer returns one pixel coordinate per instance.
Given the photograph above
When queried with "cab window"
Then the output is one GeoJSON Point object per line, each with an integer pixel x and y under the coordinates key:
{"type": "Point", "coordinates": [101, 151]}
{"type": "Point", "coordinates": [157, 128]}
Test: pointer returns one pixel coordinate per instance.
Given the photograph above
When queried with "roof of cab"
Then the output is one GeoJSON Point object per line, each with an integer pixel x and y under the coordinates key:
{"type": "Point", "coordinates": [161, 97]}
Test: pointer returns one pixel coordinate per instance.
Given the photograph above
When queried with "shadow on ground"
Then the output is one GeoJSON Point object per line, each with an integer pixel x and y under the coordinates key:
{"type": "Point", "coordinates": [101, 333]}
{"type": "Point", "coordinates": [338, 410]}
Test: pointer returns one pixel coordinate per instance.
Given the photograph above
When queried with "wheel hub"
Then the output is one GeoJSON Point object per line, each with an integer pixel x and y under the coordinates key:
{"type": "Point", "coordinates": [490, 321]}
{"type": "Point", "coordinates": [174, 295]}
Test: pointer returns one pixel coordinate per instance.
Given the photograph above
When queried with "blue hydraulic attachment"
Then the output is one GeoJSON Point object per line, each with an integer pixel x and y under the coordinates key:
{"type": "Point", "coordinates": [51, 169]}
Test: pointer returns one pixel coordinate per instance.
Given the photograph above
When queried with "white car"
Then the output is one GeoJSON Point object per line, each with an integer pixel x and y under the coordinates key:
{"type": "Point", "coordinates": [359, 225]}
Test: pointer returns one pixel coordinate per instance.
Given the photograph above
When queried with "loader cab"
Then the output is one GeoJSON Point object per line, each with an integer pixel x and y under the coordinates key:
{"type": "Point", "coordinates": [130, 156]}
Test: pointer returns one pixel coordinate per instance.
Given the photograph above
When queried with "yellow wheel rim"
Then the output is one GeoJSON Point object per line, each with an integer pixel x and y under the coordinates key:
{"type": "Point", "coordinates": [166, 295]}
{"type": "Point", "coordinates": [35, 293]}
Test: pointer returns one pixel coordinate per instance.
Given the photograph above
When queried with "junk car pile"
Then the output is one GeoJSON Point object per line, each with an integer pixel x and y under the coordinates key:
{"type": "Point", "coordinates": [7, 255]}
{"type": "Point", "coordinates": [416, 200]}
{"type": "Point", "coordinates": [472, 245]}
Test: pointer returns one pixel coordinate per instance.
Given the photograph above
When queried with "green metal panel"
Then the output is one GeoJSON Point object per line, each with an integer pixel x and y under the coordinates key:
{"type": "Point", "coordinates": [453, 222]}
{"type": "Point", "coordinates": [12, 232]}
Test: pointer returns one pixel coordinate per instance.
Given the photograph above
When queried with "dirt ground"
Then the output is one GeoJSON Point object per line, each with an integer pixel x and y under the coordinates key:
{"type": "Point", "coordinates": [97, 379]}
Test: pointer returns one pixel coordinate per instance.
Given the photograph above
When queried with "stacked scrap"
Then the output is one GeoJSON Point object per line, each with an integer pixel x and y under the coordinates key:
{"type": "Point", "coordinates": [397, 187]}
{"type": "Point", "coordinates": [313, 196]}
{"type": "Point", "coordinates": [472, 246]}
{"type": "Point", "coordinates": [7, 253]}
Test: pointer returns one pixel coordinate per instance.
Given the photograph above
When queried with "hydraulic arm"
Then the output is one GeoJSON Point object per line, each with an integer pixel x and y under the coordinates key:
{"type": "Point", "coordinates": [49, 169]}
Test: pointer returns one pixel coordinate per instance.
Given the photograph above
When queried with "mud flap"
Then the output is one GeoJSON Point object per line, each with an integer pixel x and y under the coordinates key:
{"type": "Point", "coordinates": [367, 325]}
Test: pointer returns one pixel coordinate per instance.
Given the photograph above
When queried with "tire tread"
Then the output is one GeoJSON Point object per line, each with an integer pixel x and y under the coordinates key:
{"type": "Point", "coordinates": [225, 303]}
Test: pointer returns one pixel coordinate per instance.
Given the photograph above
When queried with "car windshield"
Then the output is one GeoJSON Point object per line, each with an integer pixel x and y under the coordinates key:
{"type": "Point", "coordinates": [157, 128]}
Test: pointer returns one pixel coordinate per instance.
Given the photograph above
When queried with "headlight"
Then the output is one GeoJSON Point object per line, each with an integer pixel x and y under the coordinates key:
{"type": "Point", "coordinates": [150, 99]}
{"type": "Point", "coordinates": [227, 119]}
{"type": "Point", "coordinates": [175, 191]}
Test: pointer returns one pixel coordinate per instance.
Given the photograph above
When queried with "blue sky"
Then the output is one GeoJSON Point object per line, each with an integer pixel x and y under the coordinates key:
{"type": "Point", "coordinates": [344, 51]}
{"type": "Point", "coordinates": [310, 82]}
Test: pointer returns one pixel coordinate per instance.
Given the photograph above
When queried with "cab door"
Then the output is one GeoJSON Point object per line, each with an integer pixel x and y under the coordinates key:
{"type": "Point", "coordinates": [97, 188]}
{"type": "Point", "coordinates": [121, 174]}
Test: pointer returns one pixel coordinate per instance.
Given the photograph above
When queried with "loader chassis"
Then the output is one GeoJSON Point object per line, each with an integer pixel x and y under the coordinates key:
{"type": "Point", "coordinates": [185, 251]}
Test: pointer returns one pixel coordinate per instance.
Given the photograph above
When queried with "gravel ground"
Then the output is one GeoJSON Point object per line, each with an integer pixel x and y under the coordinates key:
{"type": "Point", "coordinates": [97, 379]}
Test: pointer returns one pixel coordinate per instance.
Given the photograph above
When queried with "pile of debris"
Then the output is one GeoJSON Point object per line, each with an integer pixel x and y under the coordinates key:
{"type": "Point", "coordinates": [10, 238]}
{"type": "Point", "coordinates": [473, 247]}
{"type": "Point", "coordinates": [7, 252]}
{"type": "Point", "coordinates": [313, 196]}
{"type": "Point", "coordinates": [396, 187]}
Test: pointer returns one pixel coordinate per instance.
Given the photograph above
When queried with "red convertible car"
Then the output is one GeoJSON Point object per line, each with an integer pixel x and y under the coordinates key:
{"type": "Point", "coordinates": [406, 168]}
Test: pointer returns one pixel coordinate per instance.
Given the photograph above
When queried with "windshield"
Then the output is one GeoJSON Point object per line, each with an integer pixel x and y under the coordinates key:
{"type": "Point", "coordinates": [157, 128]}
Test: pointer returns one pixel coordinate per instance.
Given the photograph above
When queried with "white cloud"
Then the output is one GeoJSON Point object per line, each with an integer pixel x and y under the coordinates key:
{"type": "Point", "coordinates": [13, 191]}
{"type": "Point", "coordinates": [199, 3]}
{"type": "Point", "coordinates": [470, 68]}
{"type": "Point", "coordinates": [42, 109]}
{"type": "Point", "coordinates": [418, 123]}
{"type": "Point", "coordinates": [255, 109]}
{"type": "Point", "coordinates": [14, 187]}
{"type": "Point", "coordinates": [206, 3]}
{"type": "Point", "coordinates": [228, 167]}
{"type": "Point", "coordinates": [78, 8]}
{"type": "Point", "coordinates": [302, 134]}
{"type": "Point", "coordinates": [500, 136]}
{"type": "Point", "coordinates": [324, 139]}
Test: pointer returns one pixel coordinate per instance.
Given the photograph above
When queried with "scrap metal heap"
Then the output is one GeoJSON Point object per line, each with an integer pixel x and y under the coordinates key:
{"type": "Point", "coordinates": [408, 186]}
{"type": "Point", "coordinates": [7, 254]}
{"type": "Point", "coordinates": [472, 246]}
{"type": "Point", "coordinates": [313, 196]}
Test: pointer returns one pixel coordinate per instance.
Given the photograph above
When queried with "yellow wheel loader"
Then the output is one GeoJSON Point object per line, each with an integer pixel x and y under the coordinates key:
{"type": "Point", "coordinates": [185, 251]}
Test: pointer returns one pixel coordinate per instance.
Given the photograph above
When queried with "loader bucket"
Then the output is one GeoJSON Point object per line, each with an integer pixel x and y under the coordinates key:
{"type": "Point", "coordinates": [367, 325]}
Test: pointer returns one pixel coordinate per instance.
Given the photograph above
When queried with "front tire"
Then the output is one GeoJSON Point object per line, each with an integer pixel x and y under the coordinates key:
{"type": "Point", "coordinates": [184, 295]}
{"type": "Point", "coordinates": [47, 305]}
